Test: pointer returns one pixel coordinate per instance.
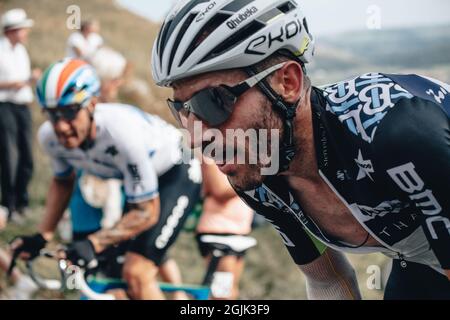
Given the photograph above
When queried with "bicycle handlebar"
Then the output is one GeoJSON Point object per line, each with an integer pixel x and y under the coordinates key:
{"type": "Point", "coordinates": [63, 266]}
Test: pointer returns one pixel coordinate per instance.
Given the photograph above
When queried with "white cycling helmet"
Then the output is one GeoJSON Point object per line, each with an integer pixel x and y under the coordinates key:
{"type": "Point", "coordinates": [200, 36]}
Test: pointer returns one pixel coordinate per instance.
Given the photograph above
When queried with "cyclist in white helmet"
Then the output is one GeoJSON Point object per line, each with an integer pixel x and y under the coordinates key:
{"type": "Point", "coordinates": [113, 141]}
{"type": "Point", "coordinates": [347, 175]}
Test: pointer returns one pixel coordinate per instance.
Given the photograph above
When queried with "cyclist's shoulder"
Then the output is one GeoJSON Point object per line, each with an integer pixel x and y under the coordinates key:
{"type": "Point", "coordinates": [46, 134]}
{"type": "Point", "coordinates": [126, 117]}
{"type": "Point", "coordinates": [120, 120]}
{"type": "Point", "coordinates": [130, 128]}
{"type": "Point", "coordinates": [375, 88]}
{"type": "Point", "coordinates": [381, 91]}
{"type": "Point", "coordinates": [365, 102]}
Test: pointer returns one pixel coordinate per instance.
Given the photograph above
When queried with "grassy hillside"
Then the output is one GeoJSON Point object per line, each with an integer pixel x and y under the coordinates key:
{"type": "Point", "coordinates": [423, 51]}
{"type": "Point", "coordinates": [402, 48]}
{"type": "Point", "coordinates": [132, 35]}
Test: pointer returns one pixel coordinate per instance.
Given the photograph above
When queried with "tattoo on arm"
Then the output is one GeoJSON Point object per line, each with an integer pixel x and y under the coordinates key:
{"type": "Point", "coordinates": [138, 219]}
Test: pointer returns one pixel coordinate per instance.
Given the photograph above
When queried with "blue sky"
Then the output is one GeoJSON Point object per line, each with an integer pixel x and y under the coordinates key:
{"type": "Point", "coordinates": [332, 16]}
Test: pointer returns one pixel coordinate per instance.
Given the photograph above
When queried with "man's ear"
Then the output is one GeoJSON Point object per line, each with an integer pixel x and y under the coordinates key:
{"type": "Point", "coordinates": [92, 104]}
{"type": "Point", "coordinates": [288, 81]}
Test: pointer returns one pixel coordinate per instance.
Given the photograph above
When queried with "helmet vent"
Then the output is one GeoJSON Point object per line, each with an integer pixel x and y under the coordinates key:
{"type": "Point", "coordinates": [234, 40]}
{"type": "Point", "coordinates": [236, 5]}
{"type": "Point", "coordinates": [171, 26]}
{"type": "Point", "coordinates": [287, 7]}
{"type": "Point", "coordinates": [158, 40]}
{"type": "Point", "coordinates": [203, 34]}
{"type": "Point", "coordinates": [276, 12]}
{"type": "Point", "coordinates": [163, 39]}
{"type": "Point", "coordinates": [305, 24]}
{"type": "Point", "coordinates": [180, 35]}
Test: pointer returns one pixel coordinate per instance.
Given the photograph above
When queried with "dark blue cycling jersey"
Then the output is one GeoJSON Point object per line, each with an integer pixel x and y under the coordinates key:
{"type": "Point", "coordinates": [383, 146]}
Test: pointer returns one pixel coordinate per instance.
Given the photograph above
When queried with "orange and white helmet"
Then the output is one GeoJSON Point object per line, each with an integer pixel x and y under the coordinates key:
{"type": "Point", "coordinates": [67, 82]}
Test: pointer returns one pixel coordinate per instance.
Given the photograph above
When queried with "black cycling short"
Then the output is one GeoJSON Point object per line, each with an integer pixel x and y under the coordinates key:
{"type": "Point", "coordinates": [206, 248]}
{"type": "Point", "coordinates": [416, 282]}
{"type": "Point", "coordinates": [178, 196]}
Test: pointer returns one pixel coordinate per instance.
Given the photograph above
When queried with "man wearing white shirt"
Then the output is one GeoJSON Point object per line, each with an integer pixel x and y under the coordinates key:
{"type": "Point", "coordinates": [16, 78]}
{"type": "Point", "coordinates": [86, 42]}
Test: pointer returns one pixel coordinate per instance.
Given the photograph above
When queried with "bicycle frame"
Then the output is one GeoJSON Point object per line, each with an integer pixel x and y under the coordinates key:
{"type": "Point", "coordinates": [96, 288]}
{"type": "Point", "coordinates": [101, 285]}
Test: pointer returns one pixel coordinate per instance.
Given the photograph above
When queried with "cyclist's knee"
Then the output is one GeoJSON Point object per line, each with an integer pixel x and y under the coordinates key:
{"type": "Point", "coordinates": [138, 269]}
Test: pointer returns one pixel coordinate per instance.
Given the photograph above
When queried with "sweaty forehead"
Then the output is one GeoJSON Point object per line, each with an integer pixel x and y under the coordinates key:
{"type": "Point", "coordinates": [186, 88]}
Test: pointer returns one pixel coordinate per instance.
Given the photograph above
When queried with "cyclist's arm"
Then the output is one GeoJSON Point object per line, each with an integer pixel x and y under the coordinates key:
{"type": "Point", "coordinates": [413, 142]}
{"type": "Point", "coordinates": [141, 188]}
{"type": "Point", "coordinates": [61, 186]}
{"type": "Point", "coordinates": [75, 42]}
{"type": "Point", "coordinates": [139, 218]}
{"type": "Point", "coordinates": [328, 273]}
{"type": "Point", "coordinates": [77, 51]}
{"type": "Point", "coordinates": [58, 197]}
{"type": "Point", "coordinates": [331, 277]}
{"type": "Point", "coordinates": [216, 184]}
{"type": "Point", "coordinates": [12, 85]}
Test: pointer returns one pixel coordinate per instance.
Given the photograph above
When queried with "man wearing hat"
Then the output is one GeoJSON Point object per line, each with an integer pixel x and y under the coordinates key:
{"type": "Point", "coordinates": [16, 78]}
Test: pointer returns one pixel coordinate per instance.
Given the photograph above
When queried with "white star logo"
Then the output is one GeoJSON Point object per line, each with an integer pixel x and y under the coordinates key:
{"type": "Point", "coordinates": [365, 167]}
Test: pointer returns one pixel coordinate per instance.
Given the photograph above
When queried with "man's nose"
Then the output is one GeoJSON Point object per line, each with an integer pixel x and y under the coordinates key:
{"type": "Point", "coordinates": [62, 126]}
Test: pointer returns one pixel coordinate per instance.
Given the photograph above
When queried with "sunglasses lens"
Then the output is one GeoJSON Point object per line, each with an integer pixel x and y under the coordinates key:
{"type": "Point", "coordinates": [66, 113]}
{"type": "Point", "coordinates": [175, 108]}
{"type": "Point", "coordinates": [212, 105]}
{"type": "Point", "coordinates": [52, 116]}
{"type": "Point", "coordinates": [227, 98]}
{"type": "Point", "coordinates": [70, 114]}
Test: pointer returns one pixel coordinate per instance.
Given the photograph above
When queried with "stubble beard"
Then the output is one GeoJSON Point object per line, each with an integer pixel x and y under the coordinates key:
{"type": "Point", "coordinates": [249, 176]}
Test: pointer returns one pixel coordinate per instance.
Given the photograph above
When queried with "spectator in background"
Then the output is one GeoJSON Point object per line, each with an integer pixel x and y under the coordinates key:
{"type": "Point", "coordinates": [3, 218]}
{"type": "Point", "coordinates": [111, 67]}
{"type": "Point", "coordinates": [16, 78]}
{"type": "Point", "coordinates": [84, 43]}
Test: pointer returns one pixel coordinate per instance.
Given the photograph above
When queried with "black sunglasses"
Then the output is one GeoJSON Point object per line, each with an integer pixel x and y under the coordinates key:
{"type": "Point", "coordinates": [214, 105]}
{"type": "Point", "coordinates": [67, 113]}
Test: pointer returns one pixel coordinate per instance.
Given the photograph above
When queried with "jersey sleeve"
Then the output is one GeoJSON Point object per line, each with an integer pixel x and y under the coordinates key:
{"type": "Point", "coordinates": [303, 247]}
{"type": "Point", "coordinates": [60, 168]}
{"type": "Point", "coordinates": [139, 175]}
{"type": "Point", "coordinates": [412, 150]}
{"type": "Point", "coordinates": [75, 40]}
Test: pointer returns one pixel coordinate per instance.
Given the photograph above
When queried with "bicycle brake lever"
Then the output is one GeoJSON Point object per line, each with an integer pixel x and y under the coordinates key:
{"type": "Point", "coordinates": [12, 264]}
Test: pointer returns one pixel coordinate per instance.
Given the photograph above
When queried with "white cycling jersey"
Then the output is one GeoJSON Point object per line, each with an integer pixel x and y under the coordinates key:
{"type": "Point", "coordinates": [130, 145]}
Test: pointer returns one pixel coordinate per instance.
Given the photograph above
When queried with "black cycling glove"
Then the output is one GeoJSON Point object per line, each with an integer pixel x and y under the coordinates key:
{"type": "Point", "coordinates": [30, 244]}
{"type": "Point", "coordinates": [82, 254]}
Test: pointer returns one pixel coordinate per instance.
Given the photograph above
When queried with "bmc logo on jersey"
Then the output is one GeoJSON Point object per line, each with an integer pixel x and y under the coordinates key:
{"type": "Point", "coordinates": [409, 181]}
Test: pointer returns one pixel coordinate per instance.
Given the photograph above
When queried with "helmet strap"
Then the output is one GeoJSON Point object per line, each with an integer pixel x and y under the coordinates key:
{"type": "Point", "coordinates": [288, 112]}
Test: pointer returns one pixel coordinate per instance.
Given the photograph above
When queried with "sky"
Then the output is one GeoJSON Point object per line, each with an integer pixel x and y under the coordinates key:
{"type": "Point", "coordinates": [327, 17]}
